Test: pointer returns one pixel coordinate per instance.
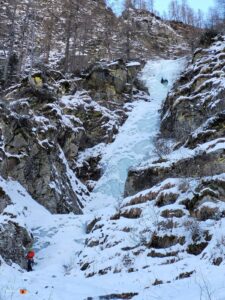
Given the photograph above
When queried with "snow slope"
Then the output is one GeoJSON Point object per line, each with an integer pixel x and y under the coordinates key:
{"type": "Point", "coordinates": [60, 239]}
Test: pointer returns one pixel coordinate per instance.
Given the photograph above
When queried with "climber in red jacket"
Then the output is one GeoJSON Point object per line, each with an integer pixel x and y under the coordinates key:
{"type": "Point", "coordinates": [30, 259]}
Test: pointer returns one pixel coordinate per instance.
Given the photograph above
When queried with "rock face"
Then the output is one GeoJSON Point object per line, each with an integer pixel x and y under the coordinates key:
{"type": "Point", "coordinates": [202, 164]}
{"type": "Point", "coordinates": [15, 239]}
{"type": "Point", "coordinates": [198, 94]}
{"type": "Point", "coordinates": [32, 155]}
{"type": "Point", "coordinates": [47, 120]}
{"type": "Point", "coordinates": [192, 115]}
{"type": "Point", "coordinates": [13, 243]}
{"type": "Point", "coordinates": [151, 36]}
{"type": "Point", "coordinates": [5, 200]}
{"type": "Point", "coordinates": [173, 198]}
{"type": "Point", "coordinates": [111, 81]}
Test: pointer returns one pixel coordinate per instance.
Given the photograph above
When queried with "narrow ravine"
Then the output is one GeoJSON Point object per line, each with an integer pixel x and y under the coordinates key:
{"type": "Point", "coordinates": [134, 143]}
{"type": "Point", "coordinates": [60, 239]}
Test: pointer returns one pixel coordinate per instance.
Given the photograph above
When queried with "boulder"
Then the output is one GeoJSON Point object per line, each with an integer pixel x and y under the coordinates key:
{"type": "Point", "coordinates": [14, 242]}
{"type": "Point", "coordinates": [165, 241]}
{"type": "Point", "coordinates": [171, 213]}
{"type": "Point", "coordinates": [205, 212]}
{"type": "Point", "coordinates": [110, 81]}
{"type": "Point", "coordinates": [166, 198]}
{"type": "Point", "coordinates": [4, 200]}
{"type": "Point", "coordinates": [196, 248]}
{"type": "Point", "coordinates": [132, 213]}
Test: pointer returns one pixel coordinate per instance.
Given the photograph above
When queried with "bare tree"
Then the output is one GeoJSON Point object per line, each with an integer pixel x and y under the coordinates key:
{"type": "Point", "coordinates": [199, 22]}
{"type": "Point", "coordinates": [150, 5]}
{"type": "Point", "coordinates": [24, 37]}
{"type": "Point", "coordinates": [68, 32]}
{"type": "Point", "coordinates": [184, 11]}
{"type": "Point", "coordinates": [174, 10]}
{"type": "Point", "coordinates": [32, 45]}
{"type": "Point", "coordinates": [108, 37]}
{"type": "Point", "coordinates": [220, 4]}
{"type": "Point", "coordinates": [11, 13]}
{"type": "Point", "coordinates": [142, 4]}
{"type": "Point", "coordinates": [50, 23]}
{"type": "Point", "coordinates": [128, 31]}
{"type": "Point", "coordinates": [213, 18]}
{"type": "Point", "coordinates": [181, 11]}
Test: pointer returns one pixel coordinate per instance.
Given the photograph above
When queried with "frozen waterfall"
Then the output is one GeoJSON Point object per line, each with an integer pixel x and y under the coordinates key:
{"type": "Point", "coordinates": [134, 142]}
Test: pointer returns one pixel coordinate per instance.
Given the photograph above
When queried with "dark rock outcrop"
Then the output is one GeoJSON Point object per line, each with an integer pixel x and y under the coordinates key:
{"type": "Point", "coordinates": [44, 127]}
{"type": "Point", "coordinates": [165, 241]}
{"type": "Point", "coordinates": [32, 156]}
{"type": "Point", "coordinates": [193, 115]}
{"type": "Point", "coordinates": [4, 200]}
{"type": "Point", "coordinates": [198, 94]}
{"type": "Point", "coordinates": [13, 243]}
{"type": "Point", "coordinates": [203, 164]}
{"type": "Point", "coordinates": [14, 239]}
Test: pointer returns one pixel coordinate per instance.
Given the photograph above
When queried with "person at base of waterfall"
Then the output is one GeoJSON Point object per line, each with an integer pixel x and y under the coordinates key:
{"type": "Point", "coordinates": [30, 260]}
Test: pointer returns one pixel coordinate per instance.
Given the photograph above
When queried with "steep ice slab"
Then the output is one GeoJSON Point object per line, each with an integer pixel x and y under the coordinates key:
{"type": "Point", "coordinates": [134, 143]}
{"type": "Point", "coordinates": [155, 71]}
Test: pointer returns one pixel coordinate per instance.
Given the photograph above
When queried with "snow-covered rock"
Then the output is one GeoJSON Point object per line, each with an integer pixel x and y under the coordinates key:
{"type": "Point", "coordinates": [164, 240]}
